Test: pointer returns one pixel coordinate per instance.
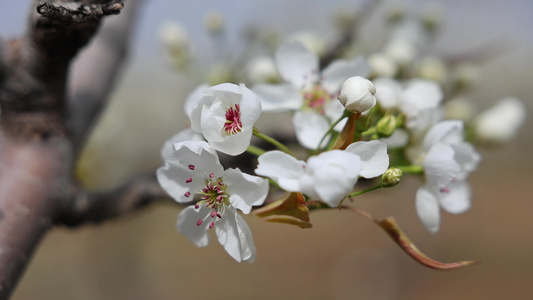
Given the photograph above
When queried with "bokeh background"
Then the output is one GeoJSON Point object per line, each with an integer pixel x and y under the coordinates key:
{"type": "Point", "coordinates": [344, 256]}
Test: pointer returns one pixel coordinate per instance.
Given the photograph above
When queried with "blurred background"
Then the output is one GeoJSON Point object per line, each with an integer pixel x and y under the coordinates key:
{"type": "Point", "coordinates": [343, 256]}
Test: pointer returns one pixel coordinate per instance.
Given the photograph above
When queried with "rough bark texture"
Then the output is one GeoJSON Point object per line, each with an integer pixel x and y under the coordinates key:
{"type": "Point", "coordinates": [48, 110]}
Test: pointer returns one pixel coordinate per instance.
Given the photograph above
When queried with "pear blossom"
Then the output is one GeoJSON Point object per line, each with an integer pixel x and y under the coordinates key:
{"type": "Point", "coordinates": [500, 123]}
{"type": "Point", "coordinates": [447, 163]}
{"type": "Point", "coordinates": [225, 115]}
{"type": "Point", "coordinates": [307, 91]}
{"type": "Point", "coordinates": [357, 94]}
{"type": "Point", "coordinates": [195, 169]}
{"type": "Point", "coordinates": [329, 176]}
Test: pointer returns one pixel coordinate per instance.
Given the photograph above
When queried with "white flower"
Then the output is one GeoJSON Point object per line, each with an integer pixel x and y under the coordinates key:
{"type": "Point", "coordinates": [500, 123]}
{"type": "Point", "coordinates": [382, 64]}
{"type": "Point", "coordinates": [331, 175]}
{"type": "Point", "coordinates": [447, 164]}
{"type": "Point", "coordinates": [307, 91]}
{"type": "Point", "coordinates": [225, 115]}
{"type": "Point", "coordinates": [195, 169]}
{"type": "Point", "coordinates": [357, 94]}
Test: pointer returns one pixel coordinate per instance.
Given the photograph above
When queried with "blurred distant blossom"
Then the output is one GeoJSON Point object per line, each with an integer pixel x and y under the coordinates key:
{"type": "Point", "coordinates": [447, 163]}
{"type": "Point", "coordinates": [500, 123]}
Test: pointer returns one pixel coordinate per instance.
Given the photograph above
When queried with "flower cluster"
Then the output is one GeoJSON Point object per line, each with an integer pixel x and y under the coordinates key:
{"type": "Point", "coordinates": [372, 119]}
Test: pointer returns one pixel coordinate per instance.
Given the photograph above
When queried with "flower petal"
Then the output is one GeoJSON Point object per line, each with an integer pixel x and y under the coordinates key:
{"type": "Point", "coordinates": [418, 95]}
{"type": "Point", "coordinates": [296, 64]}
{"type": "Point", "coordinates": [427, 209]}
{"type": "Point", "coordinates": [374, 157]}
{"type": "Point", "coordinates": [173, 176]}
{"type": "Point", "coordinates": [467, 157]}
{"type": "Point", "coordinates": [281, 167]}
{"type": "Point", "coordinates": [310, 126]}
{"type": "Point", "coordinates": [340, 70]}
{"type": "Point", "coordinates": [279, 97]}
{"type": "Point", "coordinates": [439, 165]}
{"type": "Point", "coordinates": [193, 99]}
{"type": "Point", "coordinates": [330, 176]}
{"type": "Point", "coordinates": [449, 132]}
{"type": "Point", "coordinates": [457, 200]}
{"type": "Point", "coordinates": [235, 236]}
{"type": "Point", "coordinates": [245, 190]}
{"type": "Point", "coordinates": [167, 150]}
{"type": "Point", "coordinates": [187, 225]}
{"type": "Point", "coordinates": [250, 107]}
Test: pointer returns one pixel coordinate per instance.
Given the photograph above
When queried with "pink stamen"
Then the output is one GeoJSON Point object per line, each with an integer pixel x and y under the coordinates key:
{"type": "Point", "coordinates": [233, 120]}
{"type": "Point", "coordinates": [199, 222]}
{"type": "Point", "coordinates": [211, 225]}
{"type": "Point", "coordinates": [213, 214]}
{"type": "Point", "coordinates": [445, 190]}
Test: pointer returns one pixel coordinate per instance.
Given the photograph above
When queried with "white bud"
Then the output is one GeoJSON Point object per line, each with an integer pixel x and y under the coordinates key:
{"type": "Point", "coordinates": [500, 123]}
{"type": "Point", "coordinates": [357, 94]}
{"type": "Point", "coordinates": [174, 35]}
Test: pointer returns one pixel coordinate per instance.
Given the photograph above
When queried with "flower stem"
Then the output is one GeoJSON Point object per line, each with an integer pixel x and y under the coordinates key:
{"type": "Point", "coordinates": [255, 150]}
{"type": "Point", "coordinates": [345, 114]}
{"type": "Point", "coordinates": [365, 191]}
{"type": "Point", "coordinates": [412, 169]}
{"type": "Point", "coordinates": [272, 141]}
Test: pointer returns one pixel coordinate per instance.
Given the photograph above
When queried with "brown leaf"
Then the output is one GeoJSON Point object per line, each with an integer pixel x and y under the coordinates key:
{"type": "Point", "coordinates": [291, 209]}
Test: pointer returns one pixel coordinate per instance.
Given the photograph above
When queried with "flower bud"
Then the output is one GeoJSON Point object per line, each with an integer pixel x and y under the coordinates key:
{"type": "Point", "coordinates": [357, 94]}
{"type": "Point", "coordinates": [386, 125]}
{"type": "Point", "coordinates": [391, 177]}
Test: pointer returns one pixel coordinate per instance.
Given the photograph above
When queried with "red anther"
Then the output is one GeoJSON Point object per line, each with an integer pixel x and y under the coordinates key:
{"type": "Point", "coordinates": [197, 206]}
{"type": "Point", "coordinates": [219, 215]}
{"type": "Point", "coordinates": [188, 180]}
{"type": "Point", "coordinates": [211, 175]}
{"type": "Point", "coordinates": [445, 190]}
{"type": "Point", "coordinates": [199, 222]}
{"type": "Point", "coordinates": [187, 194]}
{"type": "Point", "coordinates": [191, 167]}
{"type": "Point", "coordinates": [213, 214]}
{"type": "Point", "coordinates": [211, 225]}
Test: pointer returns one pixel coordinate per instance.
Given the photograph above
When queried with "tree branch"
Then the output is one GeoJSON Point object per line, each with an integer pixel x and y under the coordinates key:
{"type": "Point", "coordinates": [97, 207]}
{"type": "Point", "coordinates": [94, 73]}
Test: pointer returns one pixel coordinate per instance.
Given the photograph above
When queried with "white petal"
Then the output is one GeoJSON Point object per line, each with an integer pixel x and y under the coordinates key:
{"type": "Point", "coordinates": [281, 167]}
{"type": "Point", "coordinates": [310, 126]}
{"type": "Point", "coordinates": [187, 225]}
{"type": "Point", "coordinates": [173, 176]}
{"type": "Point", "coordinates": [466, 156]}
{"type": "Point", "coordinates": [330, 176]}
{"type": "Point", "coordinates": [167, 151]}
{"type": "Point", "coordinates": [228, 93]}
{"type": "Point", "coordinates": [280, 97]}
{"type": "Point", "coordinates": [245, 190]}
{"type": "Point", "coordinates": [427, 209]}
{"type": "Point", "coordinates": [334, 110]}
{"type": "Point", "coordinates": [296, 64]}
{"type": "Point", "coordinates": [398, 139]}
{"type": "Point", "coordinates": [340, 70]}
{"type": "Point", "coordinates": [419, 95]}
{"type": "Point", "coordinates": [449, 132]}
{"type": "Point", "coordinates": [457, 200]}
{"type": "Point", "coordinates": [250, 107]}
{"type": "Point", "coordinates": [500, 123]}
{"type": "Point", "coordinates": [374, 157]}
{"type": "Point", "coordinates": [387, 92]}
{"type": "Point", "coordinates": [193, 99]}
{"type": "Point", "coordinates": [439, 165]}
{"type": "Point", "coordinates": [235, 236]}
